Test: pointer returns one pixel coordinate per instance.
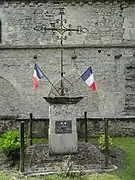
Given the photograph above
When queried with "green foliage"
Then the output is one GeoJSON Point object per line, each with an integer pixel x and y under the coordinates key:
{"type": "Point", "coordinates": [128, 145]}
{"type": "Point", "coordinates": [10, 143]}
{"type": "Point", "coordinates": [101, 142]}
{"type": "Point", "coordinates": [39, 141]}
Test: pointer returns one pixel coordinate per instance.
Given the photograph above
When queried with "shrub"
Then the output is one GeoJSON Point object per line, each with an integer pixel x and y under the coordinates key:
{"type": "Point", "coordinates": [10, 144]}
{"type": "Point", "coordinates": [101, 142]}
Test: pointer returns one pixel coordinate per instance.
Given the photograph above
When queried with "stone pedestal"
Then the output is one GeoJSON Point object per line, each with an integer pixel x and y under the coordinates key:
{"type": "Point", "coordinates": [62, 124]}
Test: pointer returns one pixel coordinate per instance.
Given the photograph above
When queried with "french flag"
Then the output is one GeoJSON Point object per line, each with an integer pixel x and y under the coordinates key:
{"type": "Point", "coordinates": [38, 74]}
{"type": "Point", "coordinates": [87, 76]}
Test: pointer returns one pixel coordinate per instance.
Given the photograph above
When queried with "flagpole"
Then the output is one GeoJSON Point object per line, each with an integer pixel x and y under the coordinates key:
{"type": "Point", "coordinates": [71, 84]}
{"type": "Point", "coordinates": [48, 79]}
{"type": "Point", "coordinates": [68, 81]}
{"type": "Point", "coordinates": [52, 85]}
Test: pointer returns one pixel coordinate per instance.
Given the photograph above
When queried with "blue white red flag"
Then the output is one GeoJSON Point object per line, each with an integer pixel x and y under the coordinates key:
{"type": "Point", "coordinates": [38, 74]}
{"type": "Point", "coordinates": [87, 76]}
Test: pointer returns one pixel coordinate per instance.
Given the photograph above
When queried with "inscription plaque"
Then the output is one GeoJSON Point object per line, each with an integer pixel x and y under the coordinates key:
{"type": "Point", "coordinates": [63, 127]}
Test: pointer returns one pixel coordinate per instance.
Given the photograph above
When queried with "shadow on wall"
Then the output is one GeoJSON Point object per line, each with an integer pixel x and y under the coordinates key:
{"type": "Point", "coordinates": [9, 99]}
{"type": "Point", "coordinates": [130, 87]}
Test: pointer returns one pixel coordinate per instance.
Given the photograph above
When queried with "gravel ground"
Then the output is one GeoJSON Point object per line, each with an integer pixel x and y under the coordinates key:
{"type": "Point", "coordinates": [88, 157]}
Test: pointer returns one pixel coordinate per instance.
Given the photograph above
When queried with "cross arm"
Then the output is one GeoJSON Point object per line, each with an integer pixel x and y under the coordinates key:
{"type": "Point", "coordinates": [79, 29]}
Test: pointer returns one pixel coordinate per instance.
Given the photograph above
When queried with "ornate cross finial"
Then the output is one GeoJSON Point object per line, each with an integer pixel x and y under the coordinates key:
{"type": "Point", "coordinates": [59, 26]}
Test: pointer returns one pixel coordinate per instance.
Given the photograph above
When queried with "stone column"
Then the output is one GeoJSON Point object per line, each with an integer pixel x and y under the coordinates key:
{"type": "Point", "coordinates": [62, 125]}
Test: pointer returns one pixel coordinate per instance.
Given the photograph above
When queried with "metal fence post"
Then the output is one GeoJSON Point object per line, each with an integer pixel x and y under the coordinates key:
{"type": "Point", "coordinates": [106, 143]}
{"type": "Point", "coordinates": [30, 130]}
{"type": "Point", "coordinates": [22, 146]}
{"type": "Point", "coordinates": [86, 128]}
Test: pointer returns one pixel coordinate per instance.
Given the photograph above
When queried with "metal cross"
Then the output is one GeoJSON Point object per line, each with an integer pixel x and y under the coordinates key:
{"type": "Point", "coordinates": [58, 26]}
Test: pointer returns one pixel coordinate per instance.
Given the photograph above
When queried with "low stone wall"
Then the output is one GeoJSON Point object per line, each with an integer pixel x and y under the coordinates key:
{"type": "Point", "coordinates": [11, 124]}
{"type": "Point", "coordinates": [117, 127]}
{"type": "Point", "coordinates": [39, 127]}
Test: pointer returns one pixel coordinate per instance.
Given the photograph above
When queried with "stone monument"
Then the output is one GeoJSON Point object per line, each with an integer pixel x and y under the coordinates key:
{"type": "Point", "coordinates": [62, 124]}
{"type": "Point", "coordinates": [62, 112]}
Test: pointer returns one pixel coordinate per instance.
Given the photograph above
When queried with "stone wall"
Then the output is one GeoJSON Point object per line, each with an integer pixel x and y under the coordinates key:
{"type": "Point", "coordinates": [108, 47]}
{"type": "Point", "coordinates": [109, 71]}
{"type": "Point", "coordinates": [125, 127]}
{"type": "Point", "coordinates": [108, 22]}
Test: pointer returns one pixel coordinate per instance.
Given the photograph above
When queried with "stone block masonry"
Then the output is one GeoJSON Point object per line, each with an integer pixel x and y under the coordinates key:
{"type": "Point", "coordinates": [108, 47]}
{"type": "Point", "coordinates": [19, 98]}
{"type": "Point", "coordinates": [95, 128]}
{"type": "Point", "coordinates": [108, 22]}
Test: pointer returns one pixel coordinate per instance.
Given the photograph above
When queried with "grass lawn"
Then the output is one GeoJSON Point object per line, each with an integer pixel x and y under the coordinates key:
{"type": "Point", "coordinates": [128, 144]}
{"type": "Point", "coordinates": [128, 173]}
{"type": "Point", "coordinates": [54, 177]}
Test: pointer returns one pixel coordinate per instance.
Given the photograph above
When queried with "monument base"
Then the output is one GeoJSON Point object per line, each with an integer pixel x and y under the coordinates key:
{"type": "Point", "coordinates": [62, 125]}
{"type": "Point", "coordinates": [63, 143]}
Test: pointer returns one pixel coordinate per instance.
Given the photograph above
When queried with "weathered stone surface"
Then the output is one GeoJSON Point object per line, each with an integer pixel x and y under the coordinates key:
{"type": "Point", "coordinates": [109, 76]}
{"type": "Point", "coordinates": [59, 112]}
{"type": "Point", "coordinates": [109, 23]}
{"type": "Point", "coordinates": [100, 18]}
{"type": "Point", "coordinates": [9, 99]}
{"type": "Point", "coordinates": [95, 129]}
